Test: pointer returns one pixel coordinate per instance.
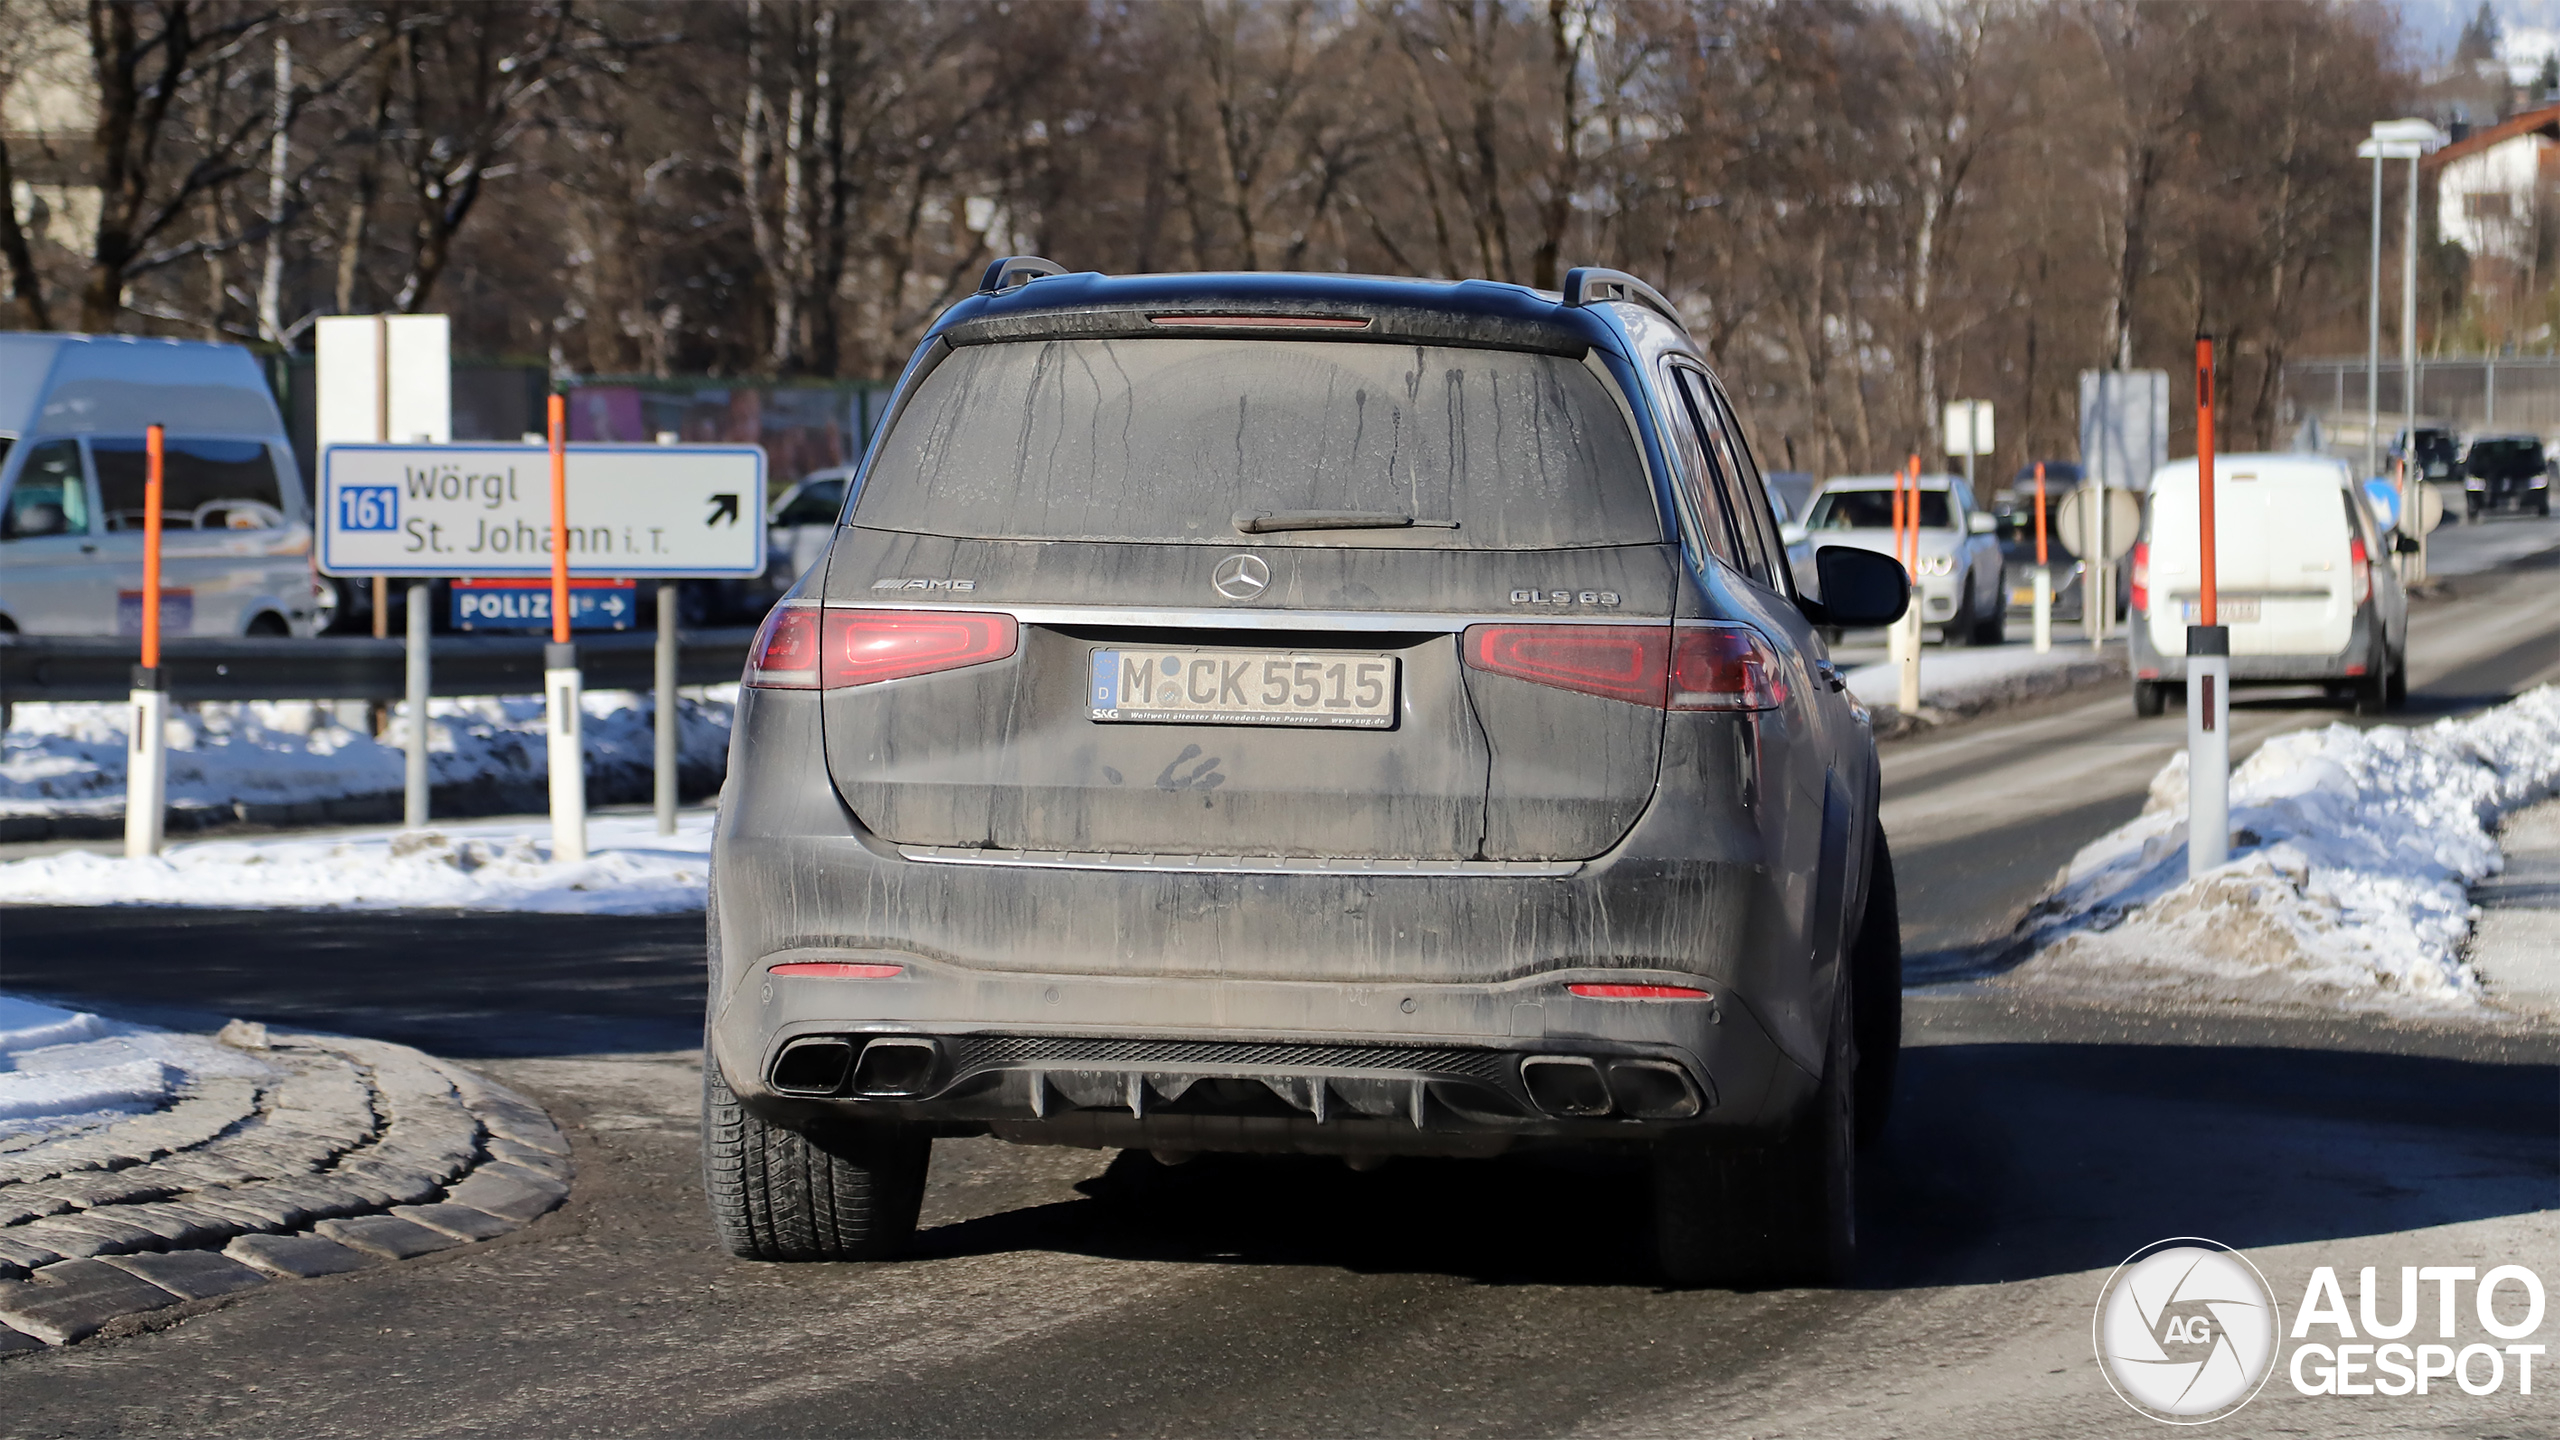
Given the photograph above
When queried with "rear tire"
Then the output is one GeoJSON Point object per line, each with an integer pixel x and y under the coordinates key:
{"type": "Point", "coordinates": [2150, 697]}
{"type": "Point", "coordinates": [839, 1191]}
{"type": "Point", "coordinates": [2395, 694]}
{"type": "Point", "coordinates": [1993, 629]}
{"type": "Point", "coordinates": [2369, 693]}
{"type": "Point", "coordinates": [1783, 1213]}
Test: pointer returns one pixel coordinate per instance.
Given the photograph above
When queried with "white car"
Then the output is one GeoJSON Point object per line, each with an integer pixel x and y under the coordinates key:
{"type": "Point", "coordinates": [236, 529]}
{"type": "Point", "coordinates": [2302, 578]}
{"type": "Point", "coordinates": [1958, 585]}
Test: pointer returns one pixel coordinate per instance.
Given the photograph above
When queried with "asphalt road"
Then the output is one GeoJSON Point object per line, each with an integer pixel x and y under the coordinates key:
{"type": "Point", "coordinates": [1059, 1292]}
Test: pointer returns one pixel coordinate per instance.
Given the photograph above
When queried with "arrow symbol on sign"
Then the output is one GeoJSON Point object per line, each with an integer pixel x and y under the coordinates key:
{"type": "Point", "coordinates": [723, 507]}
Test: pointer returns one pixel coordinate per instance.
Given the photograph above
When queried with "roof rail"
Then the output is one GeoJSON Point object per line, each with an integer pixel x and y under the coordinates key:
{"type": "Point", "coordinates": [1015, 270]}
{"type": "Point", "coordinates": [1590, 284]}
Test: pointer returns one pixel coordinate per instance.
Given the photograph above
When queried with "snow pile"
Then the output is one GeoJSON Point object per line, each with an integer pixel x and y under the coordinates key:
{"type": "Point", "coordinates": [2353, 855]}
{"type": "Point", "coordinates": [64, 1071]}
{"type": "Point", "coordinates": [62, 759]}
{"type": "Point", "coordinates": [502, 865]}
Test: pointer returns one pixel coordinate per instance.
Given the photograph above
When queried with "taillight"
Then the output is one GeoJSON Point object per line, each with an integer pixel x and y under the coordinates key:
{"type": "Point", "coordinates": [1724, 667]}
{"type": "Point", "coordinates": [2361, 567]}
{"type": "Point", "coordinates": [1639, 992]}
{"type": "Point", "coordinates": [864, 647]}
{"type": "Point", "coordinates": [1683, 667]}
{"type": "Point", "coordinates": [2142, 576]}
{"type": "Point", "coordinates": [1620, 662]}
{"type": "Point", "coordinates": [803, 648]}
{"type": "Point", "coordinates": [785, 656]}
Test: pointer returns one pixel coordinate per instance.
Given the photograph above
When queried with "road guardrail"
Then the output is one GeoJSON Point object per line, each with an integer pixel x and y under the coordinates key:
{"type": "Point", "coordinates": [37, 667]}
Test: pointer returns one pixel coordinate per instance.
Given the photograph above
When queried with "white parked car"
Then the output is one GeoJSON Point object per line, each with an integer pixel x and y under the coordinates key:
{"type": "Point", "coordinates": [1958, 586]}
{"type": "Point", "coordinates": [236, 531]}
{"type": "Point", "coordinates": [2302, 577]}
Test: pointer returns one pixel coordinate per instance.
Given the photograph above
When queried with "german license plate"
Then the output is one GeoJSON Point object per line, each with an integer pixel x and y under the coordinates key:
{"type": "Point", "coordinates": [1244, 687]}
{"type": "Point", "coordinates": [2022, 594]}
{"type": "Point", "coordinates": [2227, 610]}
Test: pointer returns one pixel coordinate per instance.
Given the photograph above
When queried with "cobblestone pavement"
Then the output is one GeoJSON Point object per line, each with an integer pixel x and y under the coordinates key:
{"type": "Point", "coordinates": [355, 1153]}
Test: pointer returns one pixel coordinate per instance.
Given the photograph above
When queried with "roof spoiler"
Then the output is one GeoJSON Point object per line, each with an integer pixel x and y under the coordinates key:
{"type": "Point", "coordinates": [1015, 270]}
{"type": "Point", "coordinates": [1590, 284]}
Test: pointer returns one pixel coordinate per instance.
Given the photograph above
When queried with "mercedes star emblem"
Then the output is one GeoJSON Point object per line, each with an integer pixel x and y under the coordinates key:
{"type": "Point", "coordinates": [1241, 577]}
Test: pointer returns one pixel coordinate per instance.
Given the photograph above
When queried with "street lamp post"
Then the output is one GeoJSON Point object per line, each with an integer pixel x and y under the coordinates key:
{"type": "Point", "coordinates": [2409, 140]}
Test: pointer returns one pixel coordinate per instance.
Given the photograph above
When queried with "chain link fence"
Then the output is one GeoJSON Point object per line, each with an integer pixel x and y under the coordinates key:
{"type": "Point", "coordinates": [2472, 395]}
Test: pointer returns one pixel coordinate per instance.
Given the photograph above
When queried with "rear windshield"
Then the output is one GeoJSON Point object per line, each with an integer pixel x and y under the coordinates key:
{"type": "Point", "coordinates": [1172, 440]}
{"type": "Point", "coordinates": [1872, 510]}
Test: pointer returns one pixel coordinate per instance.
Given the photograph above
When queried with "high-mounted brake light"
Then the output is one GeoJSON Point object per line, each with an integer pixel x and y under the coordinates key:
{"type": "Point", "coordinates": [836, 970]}
{"type": "Point", "coordinates": [1266, 322]}
{"type": "Point", "coordinates": [1639, 992]}
{"type": "Point", "coordinates": [803, 648]}
{"type": "Point", "coordinates": [1678, 667]}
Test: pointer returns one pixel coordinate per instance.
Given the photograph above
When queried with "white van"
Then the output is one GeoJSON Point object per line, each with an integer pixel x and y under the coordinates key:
{"type": "Point", "coordinates": [2303, 578]}
{"type": "Point", "coordinates": [235, 528]}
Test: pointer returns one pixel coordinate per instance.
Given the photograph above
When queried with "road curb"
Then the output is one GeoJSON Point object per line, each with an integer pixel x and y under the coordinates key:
{"type": "Point", "coordinates": [356, 1153]}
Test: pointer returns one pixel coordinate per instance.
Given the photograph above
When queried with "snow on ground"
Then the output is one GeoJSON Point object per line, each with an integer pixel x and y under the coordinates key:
{"type": "Point", "coordinates": [62, 759]}
{"type": "Point", "coordinates": [63, 1072]}
{"type": "Point", "coordinates": [1960, 680]}
{"type": "Point", "coordinates": [2349, 882]}
{"type": "Point", "coordinates": [490, 865]}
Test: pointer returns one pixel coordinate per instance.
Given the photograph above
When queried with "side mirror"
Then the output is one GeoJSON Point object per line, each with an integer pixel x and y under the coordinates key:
{"type": "Point", "coordinates": [1860, 588]}
{"type": "Point", "coordinates": [2404, 544]}
{"type": "Point", "coordinates": [1978, 523]}
{"type": "Point", "coordinates": [1793, 533]}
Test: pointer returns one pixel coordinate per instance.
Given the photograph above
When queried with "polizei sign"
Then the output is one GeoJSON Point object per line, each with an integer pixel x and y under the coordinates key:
{"type": "Point", "coordinates": [634, 510]}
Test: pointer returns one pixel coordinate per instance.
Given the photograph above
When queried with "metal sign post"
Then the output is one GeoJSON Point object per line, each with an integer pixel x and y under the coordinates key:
{"type": "Point", "coordinates": [413, 790]}
{"type": "Point", "coordinates": [146, 755]}
{"type": "Point", "coordinates": [2044, 576]}
{"type": "Point", "coordinates": [2208, 664]}
{"type": "Point", "coordinates": [664, 794]}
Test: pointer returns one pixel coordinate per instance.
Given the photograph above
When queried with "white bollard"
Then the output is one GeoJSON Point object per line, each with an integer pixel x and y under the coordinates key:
{"type": "Point", "coordinates": [562, 686]}
{"type": "Point", "coordinates": [1906, 657]}
{"type": "Point", "coordinates": [2044, 610]}
{"type": "Point", "coordinates": [413, 795]}
{"type": "Point", "coordinates": [146, 770]}
{"type": "Point", "coordinates": [2208, 747]}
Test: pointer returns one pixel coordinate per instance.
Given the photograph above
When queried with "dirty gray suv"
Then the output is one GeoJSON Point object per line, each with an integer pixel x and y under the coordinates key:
{"type": "Point", "coordinates": [1311, 714]}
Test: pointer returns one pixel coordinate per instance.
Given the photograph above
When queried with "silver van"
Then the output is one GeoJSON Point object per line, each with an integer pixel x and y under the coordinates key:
{"type": "Point", "coordinates": [236, 529]}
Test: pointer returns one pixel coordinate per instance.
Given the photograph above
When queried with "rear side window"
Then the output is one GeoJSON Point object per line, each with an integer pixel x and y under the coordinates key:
{"type": "Point", "coordinates": [815, 505]}
{"type": "Point", "coordinates": [1169, 440]}
{"type": "Point", "coordinates": [205, 484]}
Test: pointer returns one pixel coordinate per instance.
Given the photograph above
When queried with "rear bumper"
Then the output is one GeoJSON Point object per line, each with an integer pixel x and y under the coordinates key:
{"type": "Point", "coordinates": [1187, 1009]}
{"type": "Point", "coordinates": [2353, 660]}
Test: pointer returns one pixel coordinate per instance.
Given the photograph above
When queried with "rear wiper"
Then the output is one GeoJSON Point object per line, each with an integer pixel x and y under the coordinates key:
{"type": "Point", "coordinates": [1266, 522]}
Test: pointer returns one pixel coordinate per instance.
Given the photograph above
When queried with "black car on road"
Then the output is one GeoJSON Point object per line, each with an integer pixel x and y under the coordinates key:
{"type": "Point", "coordinates": [2503, 470]}
{"type": "Point", "coordinates": [1308, 714]}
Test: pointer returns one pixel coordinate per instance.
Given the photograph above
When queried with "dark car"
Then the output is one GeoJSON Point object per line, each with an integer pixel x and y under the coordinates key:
{"type": "Point", "coordinates": [2015, 510]}
{"type": "Point", "coordinates": [1307, 714]}
{"type": "Point", "coordinates": [2504, 470]}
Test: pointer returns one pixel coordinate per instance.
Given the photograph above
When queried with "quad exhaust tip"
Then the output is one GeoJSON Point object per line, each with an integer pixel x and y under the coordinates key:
{"type": "Point", "coordinates": [888, 1067]}
{"type": "Point", "coordinates": [1571, 1087]}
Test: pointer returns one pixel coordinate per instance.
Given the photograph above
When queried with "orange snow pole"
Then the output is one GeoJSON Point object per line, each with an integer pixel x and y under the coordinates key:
{"type": "Point", "coordinates": [152, 490]}
{"type": "Point", "coordinates": [559, 520]}
{"type": "Point", "coordinates": [2204, 473]}
{"type": "Point", "coordinates": [2040, 556]}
